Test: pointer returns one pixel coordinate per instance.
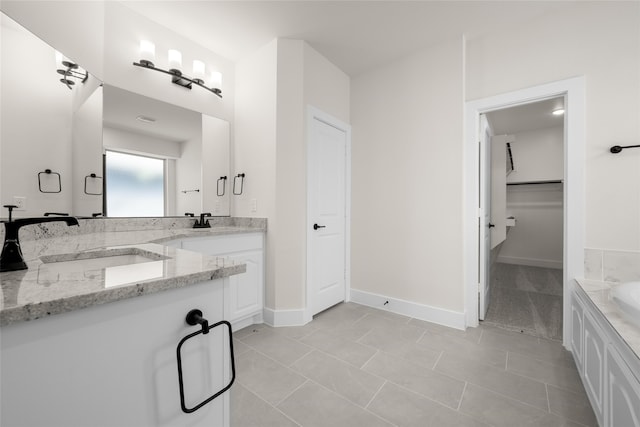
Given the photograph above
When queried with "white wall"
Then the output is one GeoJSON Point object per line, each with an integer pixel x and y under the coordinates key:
{"type": "Point", "coordinates": [538, 155]}
{"type": "Point", "coordinates": [86, 156]}
{"type": "Point", "coordinates": [135, 143]}
{"type": "Point", "coordinates": [57, 23]}
{"type": "Point", "coordinates": [35, 135]}
{"type": "Point", "coordinates": [275, 85]}
{"type": "Point", "coordinates": [601, 41]}
{"type": "Point", "coordinates": [189, 177]}
{"type": "Point", "coordinates": [537, 238]}
{"type": "Point", "coordinates": [215, 164]}
{"type": "Point", "coordinates": [407, 120]}
{"type": "Point", "coordinates": [254, 148]}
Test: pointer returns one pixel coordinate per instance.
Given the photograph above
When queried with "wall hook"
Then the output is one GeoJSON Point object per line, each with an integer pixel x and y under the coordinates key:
{"type": "Point", "coordinates": [617, 148]}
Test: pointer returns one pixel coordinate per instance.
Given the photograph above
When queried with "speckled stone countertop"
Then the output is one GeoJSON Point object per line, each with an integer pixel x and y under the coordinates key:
{"type": "Point", "coordinates": [42, 290]}
{"type": "Point", "coordinates": [598, 292]}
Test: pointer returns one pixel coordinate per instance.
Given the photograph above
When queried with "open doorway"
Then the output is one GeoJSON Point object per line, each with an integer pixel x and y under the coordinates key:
{"type": "Point", "coordinates": [573, 91]}
{"type": "Point", "coordinates": [525, 176]}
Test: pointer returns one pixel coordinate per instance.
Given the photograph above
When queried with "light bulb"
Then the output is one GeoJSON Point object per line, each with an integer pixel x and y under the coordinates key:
{"type": "Point", "coordinates": [147, 52]}
{"type": "Point", "coordinates": [175, 61]}
{"type": "Point", "coordinates": [216, 79]}
{"type": "Point", "coordinates": [198, 71]}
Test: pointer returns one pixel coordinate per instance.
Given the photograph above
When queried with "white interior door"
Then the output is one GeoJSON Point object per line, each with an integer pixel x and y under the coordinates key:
{"type": "Point", "coordinates": [484, 218]}
{"type": "Point", "coordinates": [326, 215]}
{"type": "Point", "coordinates": [499, 188]}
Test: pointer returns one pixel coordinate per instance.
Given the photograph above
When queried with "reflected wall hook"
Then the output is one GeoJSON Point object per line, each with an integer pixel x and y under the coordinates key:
{"type": "Point", "coordinates": [224, 185]}
{"type": "Point", "coordinates": [241, 176]}
{"type": "Point", "coordinates": [46, 173]}
{"type": "Point", "coordinates": [617, 148]}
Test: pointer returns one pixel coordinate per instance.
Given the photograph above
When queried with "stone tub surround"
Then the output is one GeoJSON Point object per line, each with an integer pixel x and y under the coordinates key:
{"type": "Point", "coordinates": [608, 265]}
{"type": "Point", "coordinates": [598, 292]}
{"type": "Point", "coordinates": [26, 297]}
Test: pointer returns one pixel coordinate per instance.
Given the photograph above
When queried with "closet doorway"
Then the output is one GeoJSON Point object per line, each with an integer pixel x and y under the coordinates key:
{"type": "Point", "coordinates": [524, 260]}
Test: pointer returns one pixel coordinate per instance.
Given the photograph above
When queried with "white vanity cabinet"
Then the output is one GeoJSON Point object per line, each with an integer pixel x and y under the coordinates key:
{"type": "Point", "coordinates": [115, 364]}
{"type": "Point", "coordinates": [608, 367]}
{"type": "Point", "coordinates": [246, 290]}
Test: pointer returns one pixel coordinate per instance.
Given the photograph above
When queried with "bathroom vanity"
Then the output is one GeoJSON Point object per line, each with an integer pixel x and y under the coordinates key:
{"type": "Point", "coordinates": [89, 342]}
{"type": "Point", "coordinates": [606, 349]}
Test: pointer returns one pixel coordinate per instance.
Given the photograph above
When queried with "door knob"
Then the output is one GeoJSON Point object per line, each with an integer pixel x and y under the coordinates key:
{"type": "Point", "coordinates": [316, 226]}
{"type": "Point", "coordinates": [491, 225]}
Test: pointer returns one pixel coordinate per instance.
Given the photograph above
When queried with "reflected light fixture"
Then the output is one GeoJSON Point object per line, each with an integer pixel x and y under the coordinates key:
{"type": "Point", "coordinates": [147, 53]}
{"type": "Point", "coordinates": [558, 112]}
{"type": "Point", "coordinates": [69, 70]}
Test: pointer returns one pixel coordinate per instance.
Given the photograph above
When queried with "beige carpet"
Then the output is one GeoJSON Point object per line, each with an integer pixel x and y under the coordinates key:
{"type": "Point", "coordinates": [526, 299]}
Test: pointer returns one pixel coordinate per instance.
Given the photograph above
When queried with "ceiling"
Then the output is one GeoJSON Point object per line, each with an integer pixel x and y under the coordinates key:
{"type": "Point", "coordinates": [170, 123]}
{"type": "Point", "coordinates": [356, 36]}
{"type": "Point", "coordinates": [528, 117]}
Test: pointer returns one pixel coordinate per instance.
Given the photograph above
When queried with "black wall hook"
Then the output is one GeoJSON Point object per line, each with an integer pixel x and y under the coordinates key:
{"type": "Point", "coordinates": [617, 148]}
{"type": "Point", "coordinates": [194, 317]}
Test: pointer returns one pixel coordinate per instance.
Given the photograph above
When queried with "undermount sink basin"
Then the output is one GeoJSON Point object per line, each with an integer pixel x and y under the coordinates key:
{"type": "Point", "coordinates": [96, 260]}
{"type": "Point", "coordinates": [627, 297]}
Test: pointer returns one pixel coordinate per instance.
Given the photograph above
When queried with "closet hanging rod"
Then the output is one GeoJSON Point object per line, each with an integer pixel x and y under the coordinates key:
{"type": "Point", "coordinates": [535, 182]}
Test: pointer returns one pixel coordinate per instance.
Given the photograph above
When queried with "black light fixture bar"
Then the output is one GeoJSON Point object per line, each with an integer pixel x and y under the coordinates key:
{"type": "Point", "coordinates": [178, 78]}
{"type": "Point", "coordinates": [72, 71]}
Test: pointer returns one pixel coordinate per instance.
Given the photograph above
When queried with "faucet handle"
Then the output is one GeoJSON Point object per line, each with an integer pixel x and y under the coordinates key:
{"type": "Point", "coordinates": [11, 208]}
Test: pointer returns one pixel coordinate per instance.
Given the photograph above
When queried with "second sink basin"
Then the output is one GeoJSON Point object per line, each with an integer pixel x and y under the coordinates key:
{"type": "Point", "coordinates": [97, 260]}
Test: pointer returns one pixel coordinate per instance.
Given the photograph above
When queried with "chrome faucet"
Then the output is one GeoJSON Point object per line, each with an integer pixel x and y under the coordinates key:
{"type": "Point", "coordinates": [11, 258]}
{"type": "Point", "coordinates": [202, 223]}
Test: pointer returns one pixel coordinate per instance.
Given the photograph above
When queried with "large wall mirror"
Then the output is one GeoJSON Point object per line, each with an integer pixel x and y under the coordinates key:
{"type": "Point", "coordinates": [97, 149]}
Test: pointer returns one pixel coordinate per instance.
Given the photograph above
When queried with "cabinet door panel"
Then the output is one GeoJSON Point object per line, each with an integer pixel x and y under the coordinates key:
{"type": "Point", "coordinates": [624, 393]}
{"type": "Point", "coordinates": [246, 289]}
{"type": "Point", "coordinates": [593, 365]}
{"type": "Point", "coordinates": [577, 331]}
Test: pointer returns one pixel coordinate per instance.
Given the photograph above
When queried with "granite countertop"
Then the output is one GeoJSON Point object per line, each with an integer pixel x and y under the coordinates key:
{"type": "Point", "coordinates": [598, 292]}
{"type": "Point", "coordinates": [43, 290]}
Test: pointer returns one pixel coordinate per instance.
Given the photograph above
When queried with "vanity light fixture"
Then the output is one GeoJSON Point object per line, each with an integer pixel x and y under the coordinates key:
{"type": "Point", "coordinates": [558, 112]}
{"type": "Point", "coordinates": [147, 52]}
{"type": "Point", "coordinates": [69, 70]}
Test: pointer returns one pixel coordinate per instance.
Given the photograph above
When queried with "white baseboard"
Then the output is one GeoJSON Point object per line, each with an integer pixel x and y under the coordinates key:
{"type": "Point", "coordinates": [284, 317]}
{"type": "Point", "coordinates": [452, 319]}
{"type": "Point", "coordinates": [531, 262]}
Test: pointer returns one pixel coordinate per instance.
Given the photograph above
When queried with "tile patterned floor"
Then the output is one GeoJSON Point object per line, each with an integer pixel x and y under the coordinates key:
{"type": "Point", "coordinates": [357, 366]}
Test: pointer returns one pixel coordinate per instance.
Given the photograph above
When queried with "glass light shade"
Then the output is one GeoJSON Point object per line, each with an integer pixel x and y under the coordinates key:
{"type": "Point", "coordinates": [216, 80]}
{"type": "Point", "coordinates": [198, 70]}
{"type": "Point", "coordinates": [147, 50]}
{"type": "Point", "coordinates": [175, 59]}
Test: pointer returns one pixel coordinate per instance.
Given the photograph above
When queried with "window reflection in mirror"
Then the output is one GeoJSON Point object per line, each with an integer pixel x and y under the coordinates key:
{"type": "Point", "coordinates": [135, 185]}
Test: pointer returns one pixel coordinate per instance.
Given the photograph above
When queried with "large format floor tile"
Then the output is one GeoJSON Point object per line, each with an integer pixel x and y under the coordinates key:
{"type": "Point", "coordinates": [358, 366]}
